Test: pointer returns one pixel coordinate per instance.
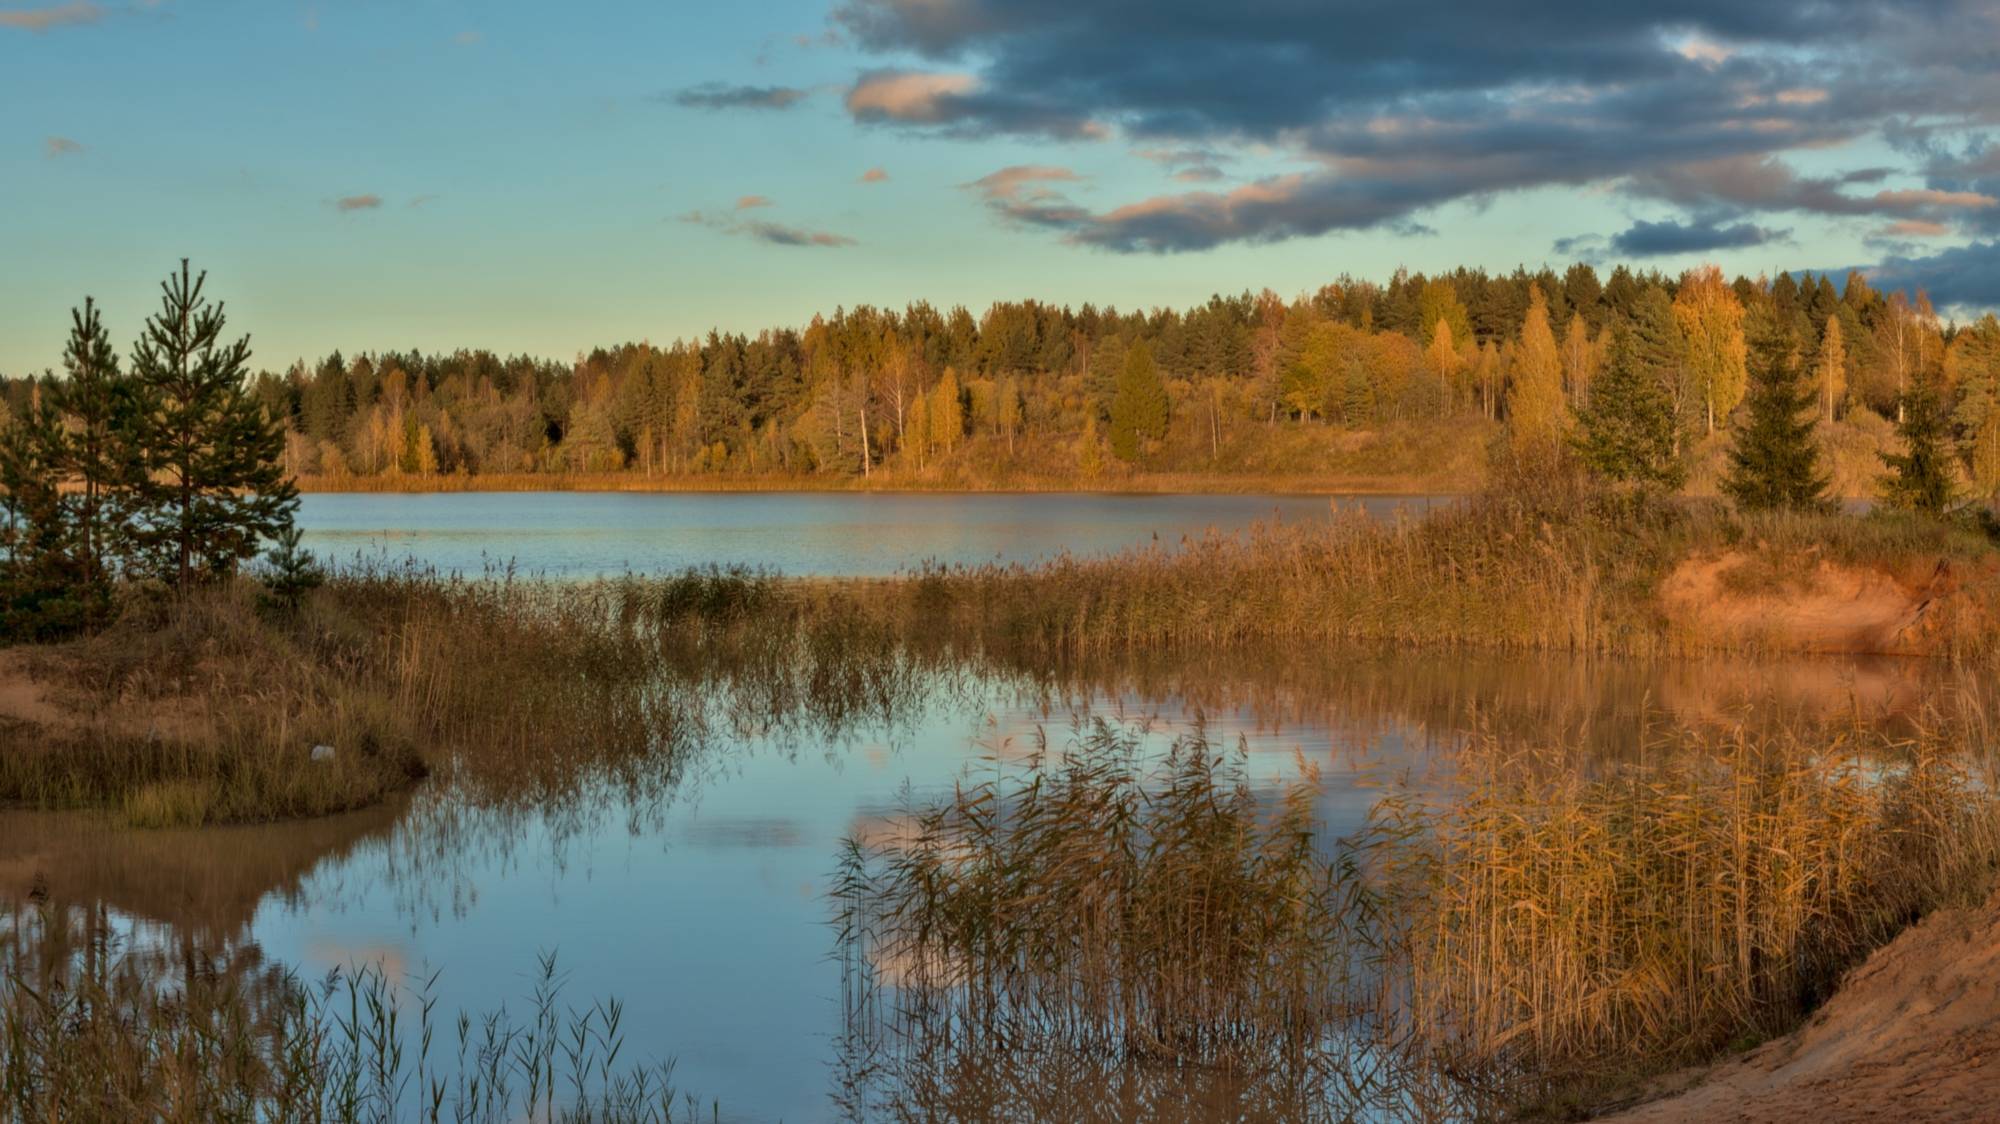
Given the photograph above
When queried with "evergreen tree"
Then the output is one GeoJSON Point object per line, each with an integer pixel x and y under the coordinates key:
{"type": "Point", "coordinates": [1774, 463]}
{"type": "Point", "coordinates": [98, 459]}
{"type": "Point", "coordinates": [292, 571]}
{"type": "Point", "coordinates": [1920, 478]}
{"type": "Point", "coordinates": [1138, 405]}
{"type": "Point", "coordinates": [213, 485]}
{"type": "Point", "coordinates": [45, 592]}
{"type": "Point", "coordinates": [1627, 431]}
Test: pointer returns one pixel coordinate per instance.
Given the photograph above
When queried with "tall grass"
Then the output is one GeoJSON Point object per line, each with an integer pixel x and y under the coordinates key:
{"type": "Point", "coordinates": [1529, 933]}
{"type": "Point", "coordinates": [90, 1031]}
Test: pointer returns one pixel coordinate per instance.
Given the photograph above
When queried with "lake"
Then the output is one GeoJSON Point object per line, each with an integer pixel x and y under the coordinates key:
{"type": "Point", "coordinates": [700, 898]}
{"type": "Point", "coordinates": [825, 534]}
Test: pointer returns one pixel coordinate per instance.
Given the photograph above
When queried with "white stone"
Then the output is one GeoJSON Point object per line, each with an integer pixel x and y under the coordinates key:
{"type": "Point", "coordinates": [322, 753]}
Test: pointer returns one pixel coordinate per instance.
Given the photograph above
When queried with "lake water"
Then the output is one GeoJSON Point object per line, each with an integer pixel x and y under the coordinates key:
{"type": "Point", "coordinates": [826, 534]}
{"type": "Point", "coordinates": [703, 904]}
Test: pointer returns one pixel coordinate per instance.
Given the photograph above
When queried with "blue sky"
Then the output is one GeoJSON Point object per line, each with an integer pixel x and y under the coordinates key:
{"type": "Point", "coordinates": [543, 178]}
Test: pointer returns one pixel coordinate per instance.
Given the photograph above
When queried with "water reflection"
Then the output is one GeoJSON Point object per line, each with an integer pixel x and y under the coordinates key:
{"type": "Point", "coordinates": [693, 884]}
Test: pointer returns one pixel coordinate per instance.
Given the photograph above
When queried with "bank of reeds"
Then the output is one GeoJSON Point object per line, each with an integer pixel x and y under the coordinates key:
{"type": "Point", "coordinates": [1524, 936]}
{"type": "Point", "coordinates": [207, 708]}
{"type": "Point", "coordinates": [93, 1032]}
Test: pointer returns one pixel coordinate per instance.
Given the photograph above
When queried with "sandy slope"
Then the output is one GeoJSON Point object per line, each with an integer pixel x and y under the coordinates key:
{"type": "Point", "coordinates": [1913, 1035]}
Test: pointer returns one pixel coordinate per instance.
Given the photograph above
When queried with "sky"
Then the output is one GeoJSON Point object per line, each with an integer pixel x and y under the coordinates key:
{"type": "Point", "coordinates": [544, 178]}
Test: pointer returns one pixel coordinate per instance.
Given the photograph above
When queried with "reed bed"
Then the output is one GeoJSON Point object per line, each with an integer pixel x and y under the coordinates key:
{"type": "Point", "coordinates": [1559, 927]}
{"type": "Point", "coordinates": [90, 1031]}
{"type": "Point", "coordinates": [1525, 936]}
{"type": "Point", "coordinates": [207, 709]}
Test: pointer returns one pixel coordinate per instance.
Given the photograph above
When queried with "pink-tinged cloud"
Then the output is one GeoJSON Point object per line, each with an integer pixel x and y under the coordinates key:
{"type": "Point", "coordinates": [349, 203]}
{"type": "Point", "coordinates": [1022, 181]}
{"type": "Point", "coordinates": [1915, 228]}
{"type": "Point", "coordinates": [54, 147]}
{"type": "Point", "coordinates": [875, 175]}
{"type": "Point", "coordinates": [747, 202]}
{"type": "Point", "coordinates": [776, 234]}
{"type": "Point", "coordinates": [59, 15]}
{"type": "Point", "coordinates": [909, 97]}
{"type": "Point", "coordinates": [1927, 197]}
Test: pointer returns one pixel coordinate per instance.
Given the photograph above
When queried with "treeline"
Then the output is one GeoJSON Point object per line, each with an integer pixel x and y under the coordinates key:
{"type": "Point", "coordinates": [1074, 391]}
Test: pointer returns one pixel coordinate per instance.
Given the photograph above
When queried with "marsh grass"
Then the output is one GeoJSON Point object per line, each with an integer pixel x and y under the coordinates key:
{"type": "Point", "coordinates": [93, 1031]}
{"type": "Point", "coordinates": [206, 708]}
{"type": "Point", "coordinates": [1526, 933]}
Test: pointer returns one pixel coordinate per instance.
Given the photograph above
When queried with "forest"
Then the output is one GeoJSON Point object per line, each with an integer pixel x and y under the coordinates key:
{"type": "Point", "coordinates": [1251, 383]}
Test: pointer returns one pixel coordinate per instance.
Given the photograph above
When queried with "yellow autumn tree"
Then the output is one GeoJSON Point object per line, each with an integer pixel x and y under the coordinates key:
{"type": "Point", "coordinates": [917, 432]}
{"type": "Point", "coordinates": [1711, 323]}
{"type": "Point", "coordinates": [1580, 360]}
{"type": "Point", "coordinates": [1832, 366]}
{"type": "Point", "coordinates": [947, 415]}
{"type": "Point", "coordinates": [1442, 356]}
{"type": "Point", "coordinates": [1986, 455]}
{"type": "Point", "coordinates": [1535, 408]}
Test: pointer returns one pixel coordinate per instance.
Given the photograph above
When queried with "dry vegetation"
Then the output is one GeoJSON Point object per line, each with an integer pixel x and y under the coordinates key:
{"type": "Point", "coordinates": [1526, 936]}
{"type": "Point", "coordinates": [93, 1031]}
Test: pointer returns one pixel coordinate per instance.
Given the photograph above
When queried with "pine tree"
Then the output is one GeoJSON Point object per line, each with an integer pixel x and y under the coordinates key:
{"type": "Point", "coordinates": [45, 591]}
{"type": "Point", "coordinates": [1627, 431]}
{"type": "Point", "coordinates": [292, 571]}
{"type": "Point", "coordinates": [1774, 463]}
{"type": "Point", "coordinates": [1920, 478]}
{"type": "Point", "coordinates": [98, 459]}
{"type": "Point", "coordinates": [213, 485]}
{"type": "Point", "coordinates": [1535, 408]}
{"type": "Point", "coordinates": [1138, 405]}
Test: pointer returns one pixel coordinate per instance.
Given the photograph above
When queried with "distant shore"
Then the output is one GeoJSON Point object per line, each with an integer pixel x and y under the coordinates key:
{"type": "Point", "coordinates": [1137, 484]}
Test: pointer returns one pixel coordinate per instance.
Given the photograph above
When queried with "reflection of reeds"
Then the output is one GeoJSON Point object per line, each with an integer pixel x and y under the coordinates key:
{"type": "Point", "coordinates": [90, 1033]}
{"type": "Point", "coordinates": [1562, 928]}
{"type": "Point", "coordinates": [1108, 902]}
{"type": "Point", "coordinates": [1539, 930]}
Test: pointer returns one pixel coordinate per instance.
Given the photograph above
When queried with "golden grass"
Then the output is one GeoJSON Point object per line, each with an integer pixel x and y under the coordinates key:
{"type": "Point", "coordinates": [1526, 934]}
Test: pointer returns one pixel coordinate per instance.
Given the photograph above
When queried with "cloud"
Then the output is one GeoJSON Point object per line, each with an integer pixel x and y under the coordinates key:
{"type": "Point", "coordinates": [468, 39]}
{"type": "Point", "coordinates": [1914, 228]}
{"type": "Point", "coordinates": [957, 105]}
{"type": "Point", "coordinates": [1654, 239]}
{"type": "Point", "coordinates": [1187, 165]}
{"type": "Point", "coordinates": [1767, 183]}
{"type": "Point", "coordinates": [1688, 101]}
{"type": "Point", "coordinates": [746, 202]}
{"type": "Point", "coordinates": [875, 175]}
{"type": "Point", "coordinates": [777, 234]}
{"type": "Point", "coordinates": [54, 147]}
{"type": "Point", "coordinates": [350, 203]}
{"type": "Point", "coordinates": [58, 15]}
{"type": "Point", "coordinates": [719, 95]}
{"type": "Point", "coordinates": [1021, 193]}
{"type": "Point", "coordinates": [1966, 277]}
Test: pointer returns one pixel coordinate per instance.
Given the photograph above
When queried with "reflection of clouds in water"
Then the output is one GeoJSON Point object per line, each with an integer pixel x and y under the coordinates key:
{"type": "Point", "coordinates": [739, 831]}
{"type": "Point", "coordinates": [392, 961]}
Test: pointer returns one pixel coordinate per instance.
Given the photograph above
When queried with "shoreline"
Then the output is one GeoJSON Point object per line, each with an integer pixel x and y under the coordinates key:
{"type": "Point", "coordinates": [1160, 485]}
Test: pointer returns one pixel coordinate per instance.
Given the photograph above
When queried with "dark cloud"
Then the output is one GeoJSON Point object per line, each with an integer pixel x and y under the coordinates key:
{"type": "Point", "coordinates": [719, 95]}
{"type": "Point", "coordinates": [56, 15]}
{"type": "Point", "coordinates": [349, 203]}
{"type": "Point", "coordinates": [1023, 194]}
{"type": "Point", "coordinates": [1967, 277]}
{"type": "Point", "coordinates": [1686, 101]}
{"type": "Point", "coordinates": [1654, 239]}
